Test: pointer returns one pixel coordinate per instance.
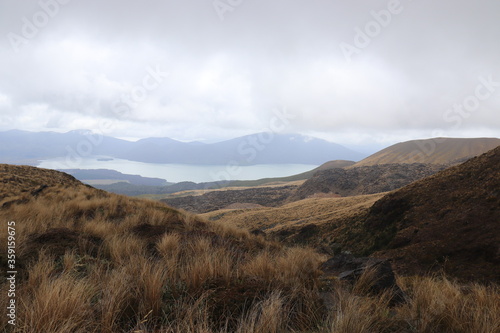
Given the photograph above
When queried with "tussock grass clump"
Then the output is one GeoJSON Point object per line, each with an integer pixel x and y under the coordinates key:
{"type": "Point", "coordinates": [289, 266]}
{"type": "Point", "coordinates": [441, 305]}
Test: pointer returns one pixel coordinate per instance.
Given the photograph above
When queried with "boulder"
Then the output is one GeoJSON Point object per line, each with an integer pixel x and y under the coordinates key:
{"type": "Point", "coordinates": [377, 273]}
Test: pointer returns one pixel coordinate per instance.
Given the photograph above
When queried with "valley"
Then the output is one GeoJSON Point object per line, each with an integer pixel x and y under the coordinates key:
{"type": "Point", "coordinates": [418, 227]}
{"type": "Point", "coordinates": [310, 249]}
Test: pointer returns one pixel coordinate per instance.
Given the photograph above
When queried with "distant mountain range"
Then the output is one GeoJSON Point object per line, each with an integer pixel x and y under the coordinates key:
{"type": "Point", "coordinates": [262, 148]}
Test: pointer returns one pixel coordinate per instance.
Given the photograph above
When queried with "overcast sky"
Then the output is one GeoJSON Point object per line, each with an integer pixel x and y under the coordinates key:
{"type": "Point", "coordinates": [348, 71]}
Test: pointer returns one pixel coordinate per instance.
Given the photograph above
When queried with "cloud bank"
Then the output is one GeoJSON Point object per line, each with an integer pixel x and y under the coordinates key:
{"type": "Point", "coordinates": [357, 71]}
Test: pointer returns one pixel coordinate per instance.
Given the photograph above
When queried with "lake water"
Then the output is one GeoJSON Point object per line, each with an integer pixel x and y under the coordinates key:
{"type": "Point", "coordinates": [182, 172]}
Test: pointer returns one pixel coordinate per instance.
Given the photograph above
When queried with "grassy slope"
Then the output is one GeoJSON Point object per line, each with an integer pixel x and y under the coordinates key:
{"type": "Point", "coordinates": [331, 217]}
{"type": "Point", "coordinates": [90, 261]}
{"type": "Point", "coordinates": [434, 151]}
{"type": "Point", "coordinates": [202, 192]}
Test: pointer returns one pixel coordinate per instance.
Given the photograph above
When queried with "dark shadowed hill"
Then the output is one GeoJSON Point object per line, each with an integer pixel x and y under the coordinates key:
{"type": "Point", "coordinates": [364, 180]}
{"type": "Point", "coordinates": [448, 221]}
{"type": "Point", "coordinates": [435, 151]}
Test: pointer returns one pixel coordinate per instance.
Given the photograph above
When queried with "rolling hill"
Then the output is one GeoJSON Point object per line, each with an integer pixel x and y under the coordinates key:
{"type": "Point", "coordinates": [433, 151]}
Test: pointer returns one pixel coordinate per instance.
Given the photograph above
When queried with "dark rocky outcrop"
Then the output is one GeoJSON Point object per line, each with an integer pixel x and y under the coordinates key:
{"type": "Point", "coordinates": [364, 180]}
{"type": "Point", "coordinates": [377, 274]}
{"type": "Point", "coordinates": [265, 196]}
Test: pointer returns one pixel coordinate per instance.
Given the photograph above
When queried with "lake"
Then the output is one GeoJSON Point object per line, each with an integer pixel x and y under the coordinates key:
{"type": "Point", "coordinates": [183, 172]}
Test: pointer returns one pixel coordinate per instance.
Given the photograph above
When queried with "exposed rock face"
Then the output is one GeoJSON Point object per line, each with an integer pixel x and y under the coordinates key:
{"type": "Point", "coordinates": [265, 196]}
{"type": "Point", "coordinates": [377, 274]}
{"type": "Point", "coordinates": [364, 180]}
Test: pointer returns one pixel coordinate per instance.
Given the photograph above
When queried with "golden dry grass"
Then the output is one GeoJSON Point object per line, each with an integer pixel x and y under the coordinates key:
{"type": "Point", "coordinates": [308, 211]}
{"type": "Point", "coordinates": [89, 261]}
{"type": "Point", "coordinates": [434, 151]}
{"type": "Point", "coordinates": [332, 221]}
{"type": "Point", "coordinates": [229, 188]}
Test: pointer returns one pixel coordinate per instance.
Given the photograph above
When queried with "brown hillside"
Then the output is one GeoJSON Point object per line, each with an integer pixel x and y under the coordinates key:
{"type": "Point", "coordinates": [334, 164]}
{"type": "Point", "coordinates": [435, 151]}
{"type": "Point", "coordinates": [16, 181]}
{"type": "Point", "coordinates": [448, 221]}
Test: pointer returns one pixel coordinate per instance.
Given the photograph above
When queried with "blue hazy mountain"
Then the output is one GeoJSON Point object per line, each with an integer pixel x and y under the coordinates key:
{"type": "Point", "coordinates": [262, 148]}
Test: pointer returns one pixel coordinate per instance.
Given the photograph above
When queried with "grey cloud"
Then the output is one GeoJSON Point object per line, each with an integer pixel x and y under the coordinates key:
{"type": "Point", "coordinates": [226, 76]}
